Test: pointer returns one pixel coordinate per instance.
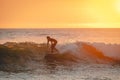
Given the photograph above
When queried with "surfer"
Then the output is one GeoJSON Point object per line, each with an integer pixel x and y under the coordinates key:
{"type": "Point", "coordinates": [53, 43]}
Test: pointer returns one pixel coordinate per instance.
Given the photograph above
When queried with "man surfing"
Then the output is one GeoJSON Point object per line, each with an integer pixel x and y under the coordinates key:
{"type": "Point", "coordinates": [53, 43]}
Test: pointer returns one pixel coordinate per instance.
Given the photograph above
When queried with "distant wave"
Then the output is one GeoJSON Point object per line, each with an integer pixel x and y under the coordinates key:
{"type": "Point", "coordinates": [28, 54]}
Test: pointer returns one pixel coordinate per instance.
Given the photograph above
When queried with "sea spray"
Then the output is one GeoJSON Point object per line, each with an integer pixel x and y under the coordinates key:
{"type": "Point", "coordinates": [27, 55]}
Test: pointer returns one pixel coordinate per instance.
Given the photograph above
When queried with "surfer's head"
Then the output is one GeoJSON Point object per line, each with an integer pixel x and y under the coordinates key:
{"type": "Point", "coordinates": [48, 37]}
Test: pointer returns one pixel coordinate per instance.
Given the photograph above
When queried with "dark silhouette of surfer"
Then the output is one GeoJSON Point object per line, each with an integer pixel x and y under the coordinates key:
{"type": "Point", "coordinates": [53, 43]}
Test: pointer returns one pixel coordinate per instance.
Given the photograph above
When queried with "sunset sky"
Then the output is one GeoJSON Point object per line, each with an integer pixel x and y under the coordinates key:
{"type": "Point", "coordinates": [59, 13]}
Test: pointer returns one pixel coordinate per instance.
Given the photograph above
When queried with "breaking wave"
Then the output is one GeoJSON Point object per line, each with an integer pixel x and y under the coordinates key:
{"type": "Point", "coordinates": [29, 55]}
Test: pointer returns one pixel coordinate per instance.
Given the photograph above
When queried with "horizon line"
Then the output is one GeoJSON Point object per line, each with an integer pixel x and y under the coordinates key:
{"type": "Point", "coordinates": [61, 28]}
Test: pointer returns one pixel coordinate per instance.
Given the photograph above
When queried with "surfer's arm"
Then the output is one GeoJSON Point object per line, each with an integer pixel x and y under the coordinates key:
{"type": "Point", "coordinates": [47, 42]}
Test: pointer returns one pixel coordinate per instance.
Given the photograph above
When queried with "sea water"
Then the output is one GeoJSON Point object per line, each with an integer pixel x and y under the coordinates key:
{"type": "Point", "coordinates": [105, 40]}
{"type": "Point", "coordinates": [62, 35]}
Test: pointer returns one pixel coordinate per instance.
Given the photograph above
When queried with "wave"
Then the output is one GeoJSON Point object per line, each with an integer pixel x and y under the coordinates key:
{"type": "Point", "coordinates": [82, 48]}
{"type": "Point", "coordinates": [27, 55]}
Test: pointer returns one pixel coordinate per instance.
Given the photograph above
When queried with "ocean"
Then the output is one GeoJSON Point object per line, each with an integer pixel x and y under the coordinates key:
{"type": "Point", "coordinates": [62, 35]}
{"type": "Point", "coordinates": [83, 54]}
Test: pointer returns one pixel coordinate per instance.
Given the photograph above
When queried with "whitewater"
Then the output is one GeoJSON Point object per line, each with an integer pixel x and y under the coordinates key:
{"type": "Point", "coordinates": [84, 54]}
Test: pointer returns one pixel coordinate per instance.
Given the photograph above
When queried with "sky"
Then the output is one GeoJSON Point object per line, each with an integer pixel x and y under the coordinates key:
{"type": "Point", "coordinates": [59, 13]}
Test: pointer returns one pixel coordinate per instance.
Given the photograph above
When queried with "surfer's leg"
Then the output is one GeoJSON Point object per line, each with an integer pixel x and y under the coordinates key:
{"type": "Point", "coordinates": [52, 48]}
{"type": "Point", "coordinates": [56, 50]}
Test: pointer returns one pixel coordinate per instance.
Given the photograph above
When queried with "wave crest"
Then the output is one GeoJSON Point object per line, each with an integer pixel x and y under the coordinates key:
{"type": "Point", "coordinates": [27, 54]}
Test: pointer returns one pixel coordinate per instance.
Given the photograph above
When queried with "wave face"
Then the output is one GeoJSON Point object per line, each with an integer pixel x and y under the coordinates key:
{"type": "Point", "coordinates": [28, 55]}
{"type": "Point", "coordinates": [96, 49]}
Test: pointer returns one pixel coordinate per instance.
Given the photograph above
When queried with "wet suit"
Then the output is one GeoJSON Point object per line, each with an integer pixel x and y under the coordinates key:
{"type": "Point", "coordinates": [53, 43]}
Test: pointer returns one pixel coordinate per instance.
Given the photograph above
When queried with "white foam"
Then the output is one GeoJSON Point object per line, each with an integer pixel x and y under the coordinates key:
{"type": "Point", "coordinates": [72, 47]}
{"type": "Point", "coordinates": [110, 50]}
